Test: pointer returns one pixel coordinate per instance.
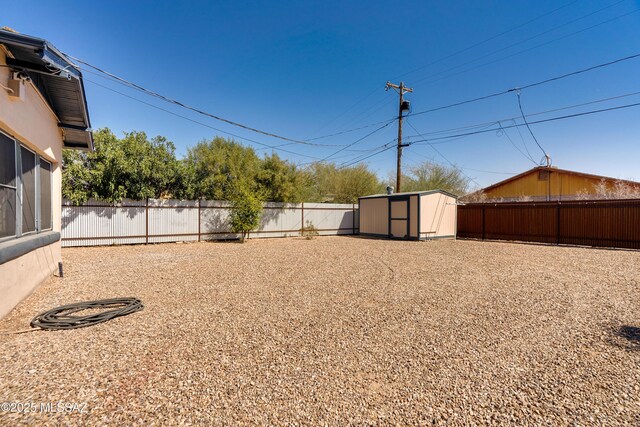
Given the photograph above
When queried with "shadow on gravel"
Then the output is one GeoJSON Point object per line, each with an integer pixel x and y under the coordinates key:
{"type": "Point", "coordinates": [628, 337]}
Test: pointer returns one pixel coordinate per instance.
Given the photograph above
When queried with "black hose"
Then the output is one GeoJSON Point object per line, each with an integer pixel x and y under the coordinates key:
{"type": "Point", "coordinates": [61, 317]}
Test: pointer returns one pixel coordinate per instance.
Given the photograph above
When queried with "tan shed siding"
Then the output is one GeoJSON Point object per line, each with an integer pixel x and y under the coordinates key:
{"type": "Point", "coordinates": [399, 228]}
{"type": "Point", "coordinates": [437, 215]}
{"type": "Point", "coordinates": [374, 216]}
{"type": "Point", "coordinates": [413, 216]}
{"type": "Point", "coordinates": [448, 223]}
{"type": "Point", "coordinates": [398, 208]}
{"type": "Point", "coordinates": [427, 215]}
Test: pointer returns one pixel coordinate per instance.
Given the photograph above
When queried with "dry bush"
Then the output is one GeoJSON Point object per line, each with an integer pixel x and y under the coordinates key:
{"type": "Point", "coordinates": [524, 198]}
{"type": "Point", "coordinates": [475, 197]}
{"type": "Point", "coordinates": [619, 190]}
{"type": "Point", "coordinates": [310, 231]}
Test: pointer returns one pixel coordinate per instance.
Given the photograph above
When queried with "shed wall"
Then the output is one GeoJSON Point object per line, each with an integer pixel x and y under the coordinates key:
{"type": "Point", "coordinates": [374, 216]}
{"type": "Point", "coordinates": [437, 216]}
{"type": "Point", "coordinates": [413, 216]}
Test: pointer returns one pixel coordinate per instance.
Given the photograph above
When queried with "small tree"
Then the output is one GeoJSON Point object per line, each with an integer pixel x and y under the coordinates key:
{"type": "Point", "coordinates": [430, 176]}
{"type": "Point", "coordinates": [245, 213]}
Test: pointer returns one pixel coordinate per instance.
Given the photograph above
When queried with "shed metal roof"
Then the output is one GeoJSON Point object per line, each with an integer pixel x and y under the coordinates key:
{"type": "Point", "coordinates": [58, 80]}
{"type": "Point", "coordinates": [409, 193]}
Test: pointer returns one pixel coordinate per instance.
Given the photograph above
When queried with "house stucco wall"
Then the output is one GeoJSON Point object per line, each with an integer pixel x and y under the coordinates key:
{"type": "Point", "coordinates": [30, 120]}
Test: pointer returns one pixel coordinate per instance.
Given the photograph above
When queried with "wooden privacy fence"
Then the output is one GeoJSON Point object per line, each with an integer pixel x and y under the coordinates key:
{"type": "Point", "coordinates": [155, 221]}
{"type": "Point", "coordinates": [605, 223]}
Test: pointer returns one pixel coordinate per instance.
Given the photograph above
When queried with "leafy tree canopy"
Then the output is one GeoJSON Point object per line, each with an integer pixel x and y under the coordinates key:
{"type": "Point", "coordinates": [138, 167]}
{"type": "Point", "coordinates": [134, 167]}
{"type": "Point", "coordinates": [432, 176]}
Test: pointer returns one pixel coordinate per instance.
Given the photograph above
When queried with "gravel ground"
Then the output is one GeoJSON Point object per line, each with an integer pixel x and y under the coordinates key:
{"type": "Point", "coordinates": [335, 331]}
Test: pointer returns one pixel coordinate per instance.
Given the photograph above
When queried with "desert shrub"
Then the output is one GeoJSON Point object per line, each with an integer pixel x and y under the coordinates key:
{"type": "Point", "coordinates": [309, 230]}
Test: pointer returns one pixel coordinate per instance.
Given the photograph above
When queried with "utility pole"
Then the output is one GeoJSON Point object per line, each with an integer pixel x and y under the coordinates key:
{"type": "Point", "coordinates": [403, 106]}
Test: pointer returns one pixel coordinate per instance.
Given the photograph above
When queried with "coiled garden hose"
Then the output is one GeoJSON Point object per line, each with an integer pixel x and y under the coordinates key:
{"type": "Point", "coordinates": [60, 318]}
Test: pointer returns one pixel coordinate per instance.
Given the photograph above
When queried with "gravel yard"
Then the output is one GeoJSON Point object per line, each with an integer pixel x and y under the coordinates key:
{"type": "Point", "coordinates": [337, 330]}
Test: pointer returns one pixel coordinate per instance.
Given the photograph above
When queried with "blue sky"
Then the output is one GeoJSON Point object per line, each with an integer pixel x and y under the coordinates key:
{"type": "Point", "coordinates": [307, 69]}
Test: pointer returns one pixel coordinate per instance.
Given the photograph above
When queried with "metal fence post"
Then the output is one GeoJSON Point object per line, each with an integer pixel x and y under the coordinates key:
{"type": "Point", "coordinates": [483, 222]}
{"type": "Point", "coordinates": [353, 219]}
{"type": "Point", "coordinates": [146, 233]}
{"type": "Point", "coordinates": [302, 223]}
{"type": "Point", "coordinates": [199, 216]}
{"type": "Point", "coordinates": [558, 223]}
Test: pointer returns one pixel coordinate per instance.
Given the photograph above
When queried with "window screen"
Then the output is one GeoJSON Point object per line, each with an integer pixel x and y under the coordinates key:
{"type": "Point", "coordinates": [28, 160]}
{"type": "Point", "coordinates": [7, 212]}
{"type": "Point", "coordinates": [45, 194]}
{"type": "Point", "coordinates": [7, 187]}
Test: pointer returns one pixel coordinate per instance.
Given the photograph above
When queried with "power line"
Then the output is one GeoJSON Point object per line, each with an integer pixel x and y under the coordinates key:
{"type": "Point", "coordinates": [529, 39]}
{"type": "Point", "coordinates": [526, 156]}
{"type": "Point", "coordinates": [443, 156]}
{"type": "Point", "coordinates": [383, 148]}
{"type": "Point", "coordinates": [461, 51]}
{"type": "Point", "coordinates": [461, 167]}
{"type": "Point", "coordinates": [429, 140]}
{"type": "Point", "coordinates": [490, 123]}
{"type": "Point", "coordinates": [488, 39]}
{"type": "Point", "coordinates": [530, 85]}
{"type": "Point", "coordinates": [198, 122]}
{"type": "Point", "coordinates": [534, 47]}
{"type": "Point", "coordinates": [343, 112]}
{"type": "Point", "coordinates": [358, 140]}
{"type": "Point", "coordinates": [524, 118]}
{"type": "Point", "coordinates": [181, 104]}
{"type": "Point", "coordinates": [347, 131]}
{"type": "Point", "coordinates": [119, 80]}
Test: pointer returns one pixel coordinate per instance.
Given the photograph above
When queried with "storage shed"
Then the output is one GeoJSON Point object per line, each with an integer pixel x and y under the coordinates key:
{"type": "Point", "coordinates": [420, 215]}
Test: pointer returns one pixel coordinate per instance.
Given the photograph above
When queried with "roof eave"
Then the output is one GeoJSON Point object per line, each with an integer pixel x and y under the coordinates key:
{"type": "Point", "coordinates": [50, 63]}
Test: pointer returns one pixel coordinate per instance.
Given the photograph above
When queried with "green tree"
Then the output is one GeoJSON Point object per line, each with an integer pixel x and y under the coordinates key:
{"type": "Point", "coordinates": [354, 182]}
{"type": "Point", "coordinates": [342, 185]}
{"type": "Point", "coordinates": [132, 167]}
{"type": "Point", "coordinates": [280, 181]}
{"type": "Point", "coordinates": [245, 213]}
{"type": "Point", "coordinates": [77, 178]}
{"type": "Point", "coordinates": [222, 167]}
{"type": "Point", "coordinates": [431, 176]}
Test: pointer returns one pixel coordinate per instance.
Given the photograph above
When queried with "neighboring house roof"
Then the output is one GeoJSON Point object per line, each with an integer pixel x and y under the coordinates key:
{"type": "Point", "coordinates": [58, 80]}
{"type": "Point", "coordinates": [557, 170]}
{"type": "Point", "coordinates": [409, 193]}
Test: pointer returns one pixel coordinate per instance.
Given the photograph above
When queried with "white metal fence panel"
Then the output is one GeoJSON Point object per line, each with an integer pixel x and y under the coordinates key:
{"type": "Point", "coordinates": [279, 220]}
{"type": "Point", "coordinates": [331, 218]}
{"type": "Point", "coordinates": [214, 220]}
{"type": "Point", "coordinates": [130, 222]}
{"type": "Point", "coordinates": [173, 220]}
{"type": "Point", "coordinates": [98, 223]}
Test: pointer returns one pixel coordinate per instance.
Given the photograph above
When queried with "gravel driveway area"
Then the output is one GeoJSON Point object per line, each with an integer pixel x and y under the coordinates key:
{"type": "Point", "coordinates": [335, 331]}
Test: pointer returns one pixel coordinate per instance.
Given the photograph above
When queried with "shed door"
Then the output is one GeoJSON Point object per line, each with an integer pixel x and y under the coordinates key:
{"type": "Point", "coordinates": [399, 218]}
